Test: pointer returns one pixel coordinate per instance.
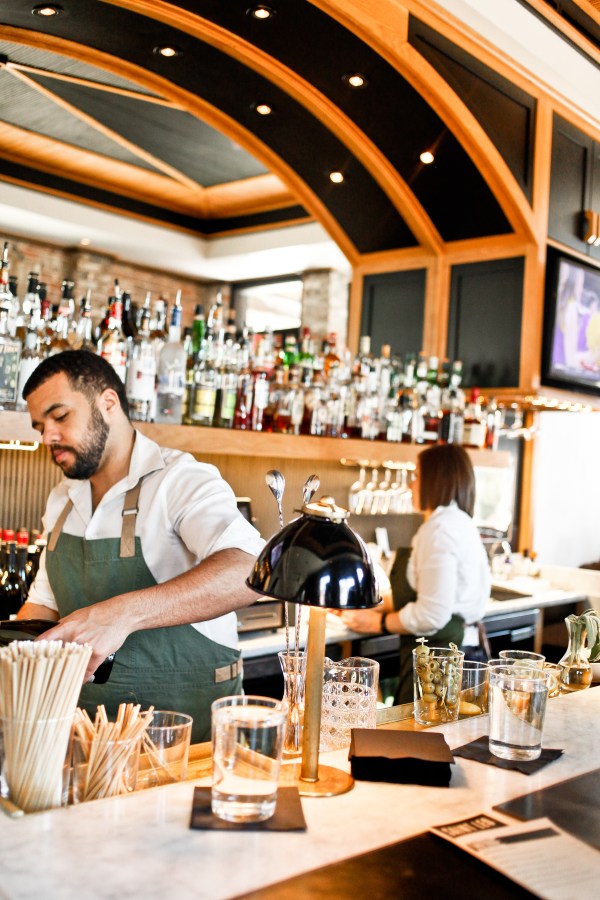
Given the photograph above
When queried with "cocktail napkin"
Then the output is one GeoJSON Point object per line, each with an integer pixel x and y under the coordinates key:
{"type": "Point", "coordinates": [288, 814]}
{"type": "Point", "coordinates": [479, 750]}
{"type": "Point", "coordinates": [403, 757]}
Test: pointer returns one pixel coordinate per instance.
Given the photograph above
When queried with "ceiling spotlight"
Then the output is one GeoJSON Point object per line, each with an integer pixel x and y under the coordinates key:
{"type": "Point", "coordinates": [263, 109]}
{"type": "Point", "coordinates": [168, 51]}
{"type": "Point", "coordinates": [336, 177]}
{"type": "Point", "coordinates": [85, 242]}
{"type": "Point", "coordinates": [355, 80]}
{"type": "Point", "coordinates": [427, 157]}
{"type": "Point", "coordinates": [47, 10]}
{"type": "Point", "coordinates": [261, 12]}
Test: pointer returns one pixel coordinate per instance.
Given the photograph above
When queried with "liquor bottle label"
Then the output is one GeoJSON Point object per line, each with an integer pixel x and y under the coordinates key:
{"type": "Point", "coordinates": [10, 353]}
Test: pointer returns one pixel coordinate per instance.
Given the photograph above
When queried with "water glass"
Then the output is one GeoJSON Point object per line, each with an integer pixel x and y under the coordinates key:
{"type": "Point", "coordinates": [517, 701]}
{"type": "Point", "coordinates": [247, 738]}
{"type": "Point", "coordinates": [437, 676]}
{"type": "Point", "coordinates": [473, 697]}
{"type": "Point", "coordinates": [349, 700]}
{"type": "Point", "coordinates": [165, 749]}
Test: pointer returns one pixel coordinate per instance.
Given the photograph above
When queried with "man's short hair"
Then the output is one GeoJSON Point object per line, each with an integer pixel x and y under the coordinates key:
{"type": "Point", "coordinates": [86, 372]}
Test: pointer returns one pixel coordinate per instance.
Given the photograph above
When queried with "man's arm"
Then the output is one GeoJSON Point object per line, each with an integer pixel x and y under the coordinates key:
{"type": "Point", "coordinates": [212, 588]}
{"type": "Point", "coordinates": [37, 611]}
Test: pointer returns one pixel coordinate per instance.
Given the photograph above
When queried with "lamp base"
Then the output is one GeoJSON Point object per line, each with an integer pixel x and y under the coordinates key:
{"type": "Point", "coordinates": [331, 781]}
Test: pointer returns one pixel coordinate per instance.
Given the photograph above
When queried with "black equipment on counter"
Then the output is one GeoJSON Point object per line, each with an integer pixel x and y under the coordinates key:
{"type": "Point", "coordinates": [28, 629]}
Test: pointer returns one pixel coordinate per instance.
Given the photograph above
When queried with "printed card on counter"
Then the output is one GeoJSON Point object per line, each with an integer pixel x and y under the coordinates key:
{"type": "Point", "coordinates": [537, 854]}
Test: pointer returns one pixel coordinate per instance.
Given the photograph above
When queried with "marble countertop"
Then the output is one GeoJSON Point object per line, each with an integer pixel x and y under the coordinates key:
{"type": "Point", "coordinates": [141, 845]}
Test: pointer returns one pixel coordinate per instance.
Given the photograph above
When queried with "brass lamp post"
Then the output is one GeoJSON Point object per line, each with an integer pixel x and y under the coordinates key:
{"type": "Point", "coordinates": [317, 561]}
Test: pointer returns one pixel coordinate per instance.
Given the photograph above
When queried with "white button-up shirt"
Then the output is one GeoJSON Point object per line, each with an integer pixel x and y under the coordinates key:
{"type": "Point", "coordinates": [186, 513]}
{"type": "Point", "coordinates": [449, 570]}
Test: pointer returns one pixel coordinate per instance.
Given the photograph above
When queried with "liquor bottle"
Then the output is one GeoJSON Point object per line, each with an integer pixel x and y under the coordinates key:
{"type": "Point", "coordinates": [8, 300]}
{"type": "Point", "coordinates": [198, 329]}
{"type": "Point", "coordinates": [31, 357]}
{"type": "Point", "coordinates": [226, 398]}
{"type": "Point", "coordinates": [59, 340]}
{"type": "Point", "coordinates": [452, 421]}
{"type": "Point", "coordinates": [493, 420]}
{"type": "Point", "coordinates": [330, 358]}
{"type": "Point", "coordinates": [474, 428]}
{"type": "Point", "coordinates": [127, 322]}
{"type": "Point", "coordinates": [205, 383]}
{"type": "Point", "coordinates": [431, 407]}
{"type": "Point", "coordinates": [82, 337]}
{"type": "Point", "coordinates": [112, 346]}
{"type": "Point", "coordinates": [13, 589]}
{"type": "Point", "coordinates": [245, 388]}
{"type": "Point", "coordinates": [172, 365]}
{"type": "Point", "coordinates": [31, 306]}
{"type": "Point", "coordinates": [10, 357]}
{"type": "Point", "coordinates": [306, 356]}
{"type": "Point", "coordinates": [260, 400]}
{"type": "Point", "coordinates": [140, 385]}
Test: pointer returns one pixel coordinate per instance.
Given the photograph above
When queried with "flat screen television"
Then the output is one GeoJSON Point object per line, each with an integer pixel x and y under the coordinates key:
{"type": "Point", "coordinates": [571, 346]}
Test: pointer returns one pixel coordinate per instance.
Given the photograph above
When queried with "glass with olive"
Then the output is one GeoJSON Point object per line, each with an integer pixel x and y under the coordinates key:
{"type": "Point", "coordinates": [437, 674]}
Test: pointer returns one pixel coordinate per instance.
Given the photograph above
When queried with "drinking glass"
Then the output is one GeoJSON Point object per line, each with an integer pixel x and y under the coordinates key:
{"type": "Point", "coordinates": [437, 675]}
{"type": "Point", "coordinates": [104, 768]}
{"type": "Point", "coordinates": [473, 697]}
{"type": "Point", "coordinates": [523, 658]}
{"type": "Point", "coordinates": [34, 761]}
{"type": "Point", "coordinates": [349, 700]}
{"type": "Point", "coordinates": [517, 700]}
{"type": "Point", "coordinates": [247, 738]}
{"type": "Point", "coordinates": [165, 749]}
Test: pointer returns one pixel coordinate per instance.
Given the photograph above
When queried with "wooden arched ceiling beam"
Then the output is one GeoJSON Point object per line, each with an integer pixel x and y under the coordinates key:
{"type": "Point", "coordinates": [301, 90]}
{"type": "Point", "coordinates": [198, 107]}
{"type": "Point", "coordinates": [378, 25]}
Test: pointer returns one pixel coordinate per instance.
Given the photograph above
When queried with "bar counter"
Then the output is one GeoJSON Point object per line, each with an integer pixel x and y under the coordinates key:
{"type": "Point", "coordinates": [141, 845]}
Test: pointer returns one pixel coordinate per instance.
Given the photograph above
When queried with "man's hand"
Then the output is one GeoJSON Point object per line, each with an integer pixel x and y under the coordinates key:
{"type": "Point", "coordinates": [96, 625]}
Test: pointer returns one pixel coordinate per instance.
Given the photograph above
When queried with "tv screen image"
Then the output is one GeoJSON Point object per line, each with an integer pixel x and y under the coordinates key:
{"type": "Point", "coordinates": [572, 325]}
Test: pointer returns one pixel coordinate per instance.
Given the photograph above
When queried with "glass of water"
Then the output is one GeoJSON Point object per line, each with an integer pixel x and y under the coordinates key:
{"type": "Point", "coordinates": [349, 700]}
{"type": "Point", "coordinates": [247, 744]}
{"type": "Point", "coordinates": [517, 706]}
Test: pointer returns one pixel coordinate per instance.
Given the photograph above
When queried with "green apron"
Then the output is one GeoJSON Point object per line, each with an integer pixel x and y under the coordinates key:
{"type": "Point", "coordinates": [174, 668]}
{"type": "Point", "coordinates": [402, 593]}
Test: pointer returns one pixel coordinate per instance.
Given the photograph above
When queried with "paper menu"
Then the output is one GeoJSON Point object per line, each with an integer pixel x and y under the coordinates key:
{"type": "Point", "coordinates": [536, 854]}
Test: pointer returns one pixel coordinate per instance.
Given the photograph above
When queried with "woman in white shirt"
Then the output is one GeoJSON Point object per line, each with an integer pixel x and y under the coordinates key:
{"type": "Point", "coordinates": [444, 582]}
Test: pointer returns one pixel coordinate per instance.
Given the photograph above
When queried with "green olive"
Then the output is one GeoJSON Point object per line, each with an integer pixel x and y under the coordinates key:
{"type": "Point", "coordinates": [421, 650]}
{"type": "Point", "coordinates": [433, 665]}
{"type": "Point", "coordinates": [429, 698]}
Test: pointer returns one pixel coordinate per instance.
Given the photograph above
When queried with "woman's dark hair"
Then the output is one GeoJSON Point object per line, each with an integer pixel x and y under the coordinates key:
{"type": "Point", "coordinates": [86, 372]}
{"type": "Point", "coordinates": [446, 474]}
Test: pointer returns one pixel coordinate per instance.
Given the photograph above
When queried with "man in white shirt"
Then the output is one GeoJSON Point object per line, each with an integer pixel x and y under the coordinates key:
{"type": "Point", "coordinates": [147, 553]}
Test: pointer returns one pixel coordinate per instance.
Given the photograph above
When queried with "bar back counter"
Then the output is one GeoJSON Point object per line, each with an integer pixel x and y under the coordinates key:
{"type": "Point", "coordinates": [141, 845]}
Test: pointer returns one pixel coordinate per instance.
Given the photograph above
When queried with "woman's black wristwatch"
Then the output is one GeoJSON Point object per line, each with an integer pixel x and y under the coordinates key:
{"type": "Point", "coordinates": [384, 628]}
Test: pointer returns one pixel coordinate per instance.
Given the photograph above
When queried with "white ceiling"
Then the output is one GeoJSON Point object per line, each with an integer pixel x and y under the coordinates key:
{"type": "Point", "coordinates": [504, 23]}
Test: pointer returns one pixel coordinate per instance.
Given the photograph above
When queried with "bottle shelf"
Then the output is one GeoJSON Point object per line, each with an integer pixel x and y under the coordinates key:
{"type": "Point", "coordinates": [16, 426]}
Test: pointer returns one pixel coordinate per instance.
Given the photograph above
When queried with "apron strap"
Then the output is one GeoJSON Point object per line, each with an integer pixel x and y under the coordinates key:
{"type": "Point", "coordinates": [130, 511]}
{"type": "Point", "coordinates": [59, 524]}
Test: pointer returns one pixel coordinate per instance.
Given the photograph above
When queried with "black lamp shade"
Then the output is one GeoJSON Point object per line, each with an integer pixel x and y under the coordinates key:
{"type": "Point", "coordinates": [316, 562]}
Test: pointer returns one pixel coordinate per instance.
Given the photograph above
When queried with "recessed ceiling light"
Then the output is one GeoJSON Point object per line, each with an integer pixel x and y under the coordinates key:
{"type": "Point", "coordinates": [355, 80]}
{"type": "Point", "coordinates": [85, 242]}
{"type": "Point", "coordinates": [427, 157]}
{"type": "Point", "coordinates": [263, 109]}
{"type": "Point", "coordinates": [168, 51]}
{"type": "Point", "coordinates": [336, 177]}
{"type": "Point", "coordinates": [47, 10]}
{"type": "Point", "coordinates": [261, 12]}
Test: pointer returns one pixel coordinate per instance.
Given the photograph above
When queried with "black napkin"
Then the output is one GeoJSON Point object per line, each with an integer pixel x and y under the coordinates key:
{"type": "Point", "coordinates": [479, 749]}
{"type": "Point", "coordinates": [288, 815]}
{"type": "Point", "coordinates": [403, 757]}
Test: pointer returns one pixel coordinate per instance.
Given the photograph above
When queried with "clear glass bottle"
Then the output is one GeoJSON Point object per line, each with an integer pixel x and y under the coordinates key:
{"type": "Point", "coordinates": [172, 365]}
{"type": "Point", "coordinates": [31, 357]}
{"type": "Point", "coordinates": [112, 346]}
{"type": "Point", "coordinates": [576, 669]}
{"type": "Point", "coordinates": [141, 373]}
{"type": "Point", "coordinates": [10, 358]}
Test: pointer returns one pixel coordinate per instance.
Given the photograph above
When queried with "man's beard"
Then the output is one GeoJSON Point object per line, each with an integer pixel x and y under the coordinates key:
{"type": "Point", "coordinates": [89, 455]}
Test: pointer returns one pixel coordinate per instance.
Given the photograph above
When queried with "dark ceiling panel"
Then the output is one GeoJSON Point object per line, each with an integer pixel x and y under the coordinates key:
{"type": "Point", "coordinates": [21, 105]}
{"type": "Point", "coordinates": [505, 112]}
{"type": "Point", "coordinates": [389, 110]}
{"type": "Point", "coordinates": [63, 65]}
{"type": "Point", "coordinates": [174, 136]}
{"type": "Point", "coordinates": [362, 208]}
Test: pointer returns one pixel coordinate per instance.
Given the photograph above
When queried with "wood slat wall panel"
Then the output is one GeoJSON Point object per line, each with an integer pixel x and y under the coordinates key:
{"type": "Point", "coordinates": [26, 479]}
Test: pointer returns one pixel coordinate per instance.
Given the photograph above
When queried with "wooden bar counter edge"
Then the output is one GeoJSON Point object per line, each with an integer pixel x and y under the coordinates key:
{"type": "Point", "coordinates": [141, 845]}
